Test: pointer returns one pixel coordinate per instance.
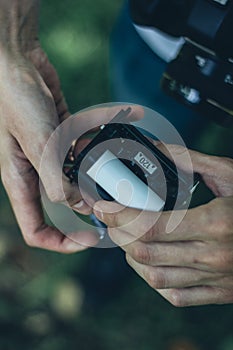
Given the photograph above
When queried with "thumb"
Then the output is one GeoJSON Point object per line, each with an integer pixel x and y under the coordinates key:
{"type": "Point", "coordinates": [43, 149]}
{"type": "Point", "coordinates": [58, 187]}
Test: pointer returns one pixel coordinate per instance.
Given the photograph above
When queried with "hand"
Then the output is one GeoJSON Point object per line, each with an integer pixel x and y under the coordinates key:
{"type": "Point", "coordinates": [193, 264]}
{"type": "Point", "coordinates": [32, 106]}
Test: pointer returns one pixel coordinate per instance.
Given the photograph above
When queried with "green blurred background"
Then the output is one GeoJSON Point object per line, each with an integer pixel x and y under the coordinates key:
{"type": "Point", "coordinates": [43, 304]}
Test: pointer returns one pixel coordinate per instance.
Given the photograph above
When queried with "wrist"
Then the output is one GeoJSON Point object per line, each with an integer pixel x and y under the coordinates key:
{"type": "Point", "coordinates": [19, 25]}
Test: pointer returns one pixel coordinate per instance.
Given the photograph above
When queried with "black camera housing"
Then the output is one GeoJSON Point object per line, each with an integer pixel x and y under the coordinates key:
{"type": "Point", "coordinates": [178, 183]}
{"type": "Point", "coordinates": [204, 65]}
{"type": "Point", "coordinates": [207, 22]}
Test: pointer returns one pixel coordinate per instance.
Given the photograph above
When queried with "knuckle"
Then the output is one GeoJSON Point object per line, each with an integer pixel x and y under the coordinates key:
{"type": "Point", "coordinates": [209, 215]}
{"type": "Point", "coordinates": [226, 226]}
{"type": "Point", "coordinates": [141, 253]}
{"type": "Point", "coordinates": [226, 260]}
{"type": "Point", "coordinates": [148, 236]}
{"type": "Point", "coordinates": [112, 220]}
{"type": "Point", "coordinates": [176, 298]}
{"type": "Point", "coordinates": [156, 279]}
{"type": "Point", "coordinates": [57, 196]}
{"type": "Point", "coordinates": [30, 241]}
{"type": "Point", "coordinates": [59, 190]}
{"type": "Point", "coordinates": [68, 197]}
{"type": "Point", "coordinates": [37, 238]}
{"type": "Point", "coordinates": [222, 260]}
{"type": "Point", "coordinates": [156, 228]}
{"type": "Point", "coordinates": [220, 220]}
{"type": "Point", "coordinates": [227, 297]}
{"type": "Point", "coordinates": [128, 259]}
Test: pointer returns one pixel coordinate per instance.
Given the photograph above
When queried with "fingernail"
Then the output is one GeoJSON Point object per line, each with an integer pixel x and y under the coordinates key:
{"type": "Point", "coordinates": [79, 205]}
{"type": "Point", "coordinates": [82, 208]}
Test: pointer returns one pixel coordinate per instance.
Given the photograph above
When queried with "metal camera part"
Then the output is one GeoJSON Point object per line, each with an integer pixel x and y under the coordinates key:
{"type": "Point", "coordinates": [121, 164]}
{"type": "Point", "coordinates": [201, 80]}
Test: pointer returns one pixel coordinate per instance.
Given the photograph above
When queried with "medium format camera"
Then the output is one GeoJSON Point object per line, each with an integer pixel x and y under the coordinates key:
{"type": "Point", "coordinates": [201, 75]}
{"type": "Point", "coordinates": [121, 164]}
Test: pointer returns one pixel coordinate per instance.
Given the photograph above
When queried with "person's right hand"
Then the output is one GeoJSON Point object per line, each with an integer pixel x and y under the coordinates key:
{"type": "Point", "coordinates": [31, 107]}
{"type": "Point", "coordinates": [185, 255]}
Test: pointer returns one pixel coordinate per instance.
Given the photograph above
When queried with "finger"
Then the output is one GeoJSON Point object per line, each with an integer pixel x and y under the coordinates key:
{"type": "Point", "coordinates": [152, 226]}
{"type": "Point", "coordinates": [72, 197]}
{"type": "Point", "coordinates": [50, 166]}
{"type": "Point", "coordinates": [204, 256]}
{"type": "Point", "coordinates": [180, 254]}
{"type": "Point", "coordinates": [82, 122]}
{"type": "Point", "coordinates": [24, 195]}
{"type": "Point", "coordinates": [172, 277]}
{"type": "Point", "coordinates": [177, 154]}
{"type": "Point", "coordinates": [58, 187]}
{"type": "Point", "coordinates": [52, 81]}
{"type": "Point", "coordinates": [32, 120]}
{"type": "Point", "coordinates": [197, 296]}
{"type": "Point", "coordinates": [220, 182]}
{"type": "Point", "coordinates": [103, 115]}
{"type": "Point", "coordinates": [32, 131]}
{"type": "Point", "coordinates": [80, 145]}
{"type": "Point", "coordinates": [91, 121]}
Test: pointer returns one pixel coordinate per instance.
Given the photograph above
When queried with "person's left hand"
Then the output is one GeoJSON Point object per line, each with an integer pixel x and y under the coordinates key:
{"type": "Point", "coordinates": [193, 263]}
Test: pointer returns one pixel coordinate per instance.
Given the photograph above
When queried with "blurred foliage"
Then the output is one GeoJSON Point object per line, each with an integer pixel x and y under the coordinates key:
{"type": "Point", "coordinates": [54, 302]}
{"type": "Point", "coordinates": [75, 35]}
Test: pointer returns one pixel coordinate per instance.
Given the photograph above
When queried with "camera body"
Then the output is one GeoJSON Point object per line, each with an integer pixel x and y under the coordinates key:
{"type": "Point", "coordinates": [121, 164]}
{"type": "Point", "coordinates": [201, 75]}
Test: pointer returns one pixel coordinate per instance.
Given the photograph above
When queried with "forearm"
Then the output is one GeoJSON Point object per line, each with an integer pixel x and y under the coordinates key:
{"type": "Point", "coordinates": [19, 25]}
